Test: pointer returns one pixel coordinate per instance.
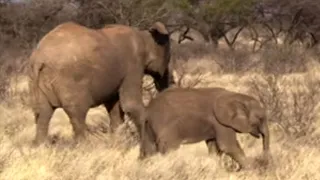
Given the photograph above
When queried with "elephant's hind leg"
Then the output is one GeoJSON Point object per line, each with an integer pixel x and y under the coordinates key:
{"type": "Point", "coordinates": [147, 147]}
{"type": "Point", "coordinates": [167, 144]}
{"type": "Point", "coordinates": [76, 105]}
{"type": "Point", "coordinates": [43, 113]}
{"type": "Point", "coordinates": [77, 115]}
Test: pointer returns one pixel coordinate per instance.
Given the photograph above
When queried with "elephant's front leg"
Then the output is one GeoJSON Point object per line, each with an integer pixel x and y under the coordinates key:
{"type": "Point", "coordinates": [131, 98]}
{"type": "Point", "coordinates": [115, 113]}
{"type": "Point", "coordinates": [212, 147]}
{"type": "Point", "coordinates": [227, 143]}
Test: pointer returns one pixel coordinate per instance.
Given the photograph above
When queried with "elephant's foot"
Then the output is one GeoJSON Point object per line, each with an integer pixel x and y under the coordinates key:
{"type": "Point", "coordinates": [35, 143]}
{"type": "Point", "coordinates": [81, 137]}
{"type": "Point", "coordinates": [39, 139]}
{"type": "Point", "coordinates": [142, 157]}
{"type": "Point", "coordinates": [231, 165]}
{"type": "Point", "coordinates": [145, 154]}
{"type": "Point", "coordinates": [266, 156]}
{"type": "Point", "coordinates": [245, 165]}
{"type": "Point", "coordinates": [243, 162]}
{"type": "Point", "coordinates": [39, 142]}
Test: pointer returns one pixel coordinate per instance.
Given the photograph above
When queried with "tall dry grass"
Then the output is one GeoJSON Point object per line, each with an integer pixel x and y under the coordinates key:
{"type": "Point", "coordinates": [291, 97]}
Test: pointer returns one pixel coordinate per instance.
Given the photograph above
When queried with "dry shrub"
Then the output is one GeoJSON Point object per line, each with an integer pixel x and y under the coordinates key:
{"type": "Point", "coordinates": [228, 60]}
{"type": "Point", "coordinates": [194, 71]}
{"type": "Point", "coordinates": [187, 51]}
{"type": "Point", "coordinates": [291, 103]}
{"type": "Point", "coordinates": [12, 65]}
{"type": "Point", "coordinates": [284, 59]}
{"type": "Point", "coordinates": [276, 59]}
{"type": "Point", "coordinates": [235, 61]}
{"type": "Point", "coordinates": [25, 23]}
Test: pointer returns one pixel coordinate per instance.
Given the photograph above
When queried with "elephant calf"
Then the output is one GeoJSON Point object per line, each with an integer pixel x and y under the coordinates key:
{"type": "Point", "coordinates": [182, 116]}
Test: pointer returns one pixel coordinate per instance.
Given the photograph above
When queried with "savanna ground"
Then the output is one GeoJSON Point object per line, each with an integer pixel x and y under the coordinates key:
{"type": "Point", "coordinates": [291, 98]}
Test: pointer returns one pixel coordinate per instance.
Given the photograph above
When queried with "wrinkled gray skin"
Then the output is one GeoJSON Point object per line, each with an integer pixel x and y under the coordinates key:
{"type": "Point", "coordinates": [77, 68]}
{"type": "Point", "coordinates": [182, 116]}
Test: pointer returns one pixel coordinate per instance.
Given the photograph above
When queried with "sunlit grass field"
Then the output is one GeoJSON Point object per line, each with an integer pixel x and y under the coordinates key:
{"type": "Point", "coordinates": [107, 157]}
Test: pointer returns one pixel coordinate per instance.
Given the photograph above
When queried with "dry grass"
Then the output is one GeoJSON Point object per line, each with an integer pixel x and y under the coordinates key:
{"type": "Point", "coordinates": [115, 157]}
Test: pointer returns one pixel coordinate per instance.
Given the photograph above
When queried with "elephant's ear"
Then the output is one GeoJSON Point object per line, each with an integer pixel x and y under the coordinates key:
{"type": "Point", "coordinates": [233, 115]}
{"type": "Point", "coordinates": [159, 33]}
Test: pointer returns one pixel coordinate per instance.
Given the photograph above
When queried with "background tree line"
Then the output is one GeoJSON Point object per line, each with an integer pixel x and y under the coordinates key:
{"type": "Point", "coordinates": [23, 24]}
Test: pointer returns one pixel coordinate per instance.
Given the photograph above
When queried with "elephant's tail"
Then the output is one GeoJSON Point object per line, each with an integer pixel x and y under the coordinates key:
{"type": "Point", "coordinates": [35, 69]}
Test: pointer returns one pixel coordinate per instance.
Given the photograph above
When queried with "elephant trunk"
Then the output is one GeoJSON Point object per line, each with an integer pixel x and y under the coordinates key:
{"type": "Point", "coordinates": [254, 124]}
{"type": "Point", "coordinates": [264, 130]}
{"type": "Point", "coordinates": [255, 132]}
{"type": "Point", "coordinates": [163, 82]}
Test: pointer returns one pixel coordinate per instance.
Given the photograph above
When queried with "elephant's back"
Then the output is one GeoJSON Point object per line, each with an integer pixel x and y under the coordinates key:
{"type": "Point", "coordinates": [74, 54]}
{"type": "Point", "coordinates": [127, 39]}
{"type": "Point", "coordinates": [75, 48]}
{"type": "Point", "coordinates": [63, 34]}
{"type": "Point", "coordinates": [173, 103]}
{"type": "Point", "coordinates": [70, 42]}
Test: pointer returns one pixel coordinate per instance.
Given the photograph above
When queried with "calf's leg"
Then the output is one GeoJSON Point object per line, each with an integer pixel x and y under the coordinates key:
{"type": "Point", "coordinates": [227, 143]}
{"type": "Point", "coordinates": [213, 147]}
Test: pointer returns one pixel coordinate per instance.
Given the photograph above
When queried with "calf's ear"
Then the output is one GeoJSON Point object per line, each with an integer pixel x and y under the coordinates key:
{"type": "Point", "coordinates": [234, 116]}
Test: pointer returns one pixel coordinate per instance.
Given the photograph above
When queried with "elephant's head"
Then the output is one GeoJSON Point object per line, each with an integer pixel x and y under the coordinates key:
{"type": "Point", "coordinates": [247, 117]}
{"type": "Point", "coordinates": [237, 111]}
{"type": "Point", "coordinates": [244, 115]}
{"type": "Point", "coordinates": [257, 116]}
{"type": "Point", "coordinates": [158, 54]}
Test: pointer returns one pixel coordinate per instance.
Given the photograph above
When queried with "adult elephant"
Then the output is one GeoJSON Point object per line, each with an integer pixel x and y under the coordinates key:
{"type": "Point", "coordinates": [77, 68]}
{"type": "Point", "coordinates": [182, 116]}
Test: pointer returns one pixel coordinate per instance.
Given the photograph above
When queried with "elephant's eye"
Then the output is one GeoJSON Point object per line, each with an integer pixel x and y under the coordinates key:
{"type": "Point", "coordinates": [261, 119]}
